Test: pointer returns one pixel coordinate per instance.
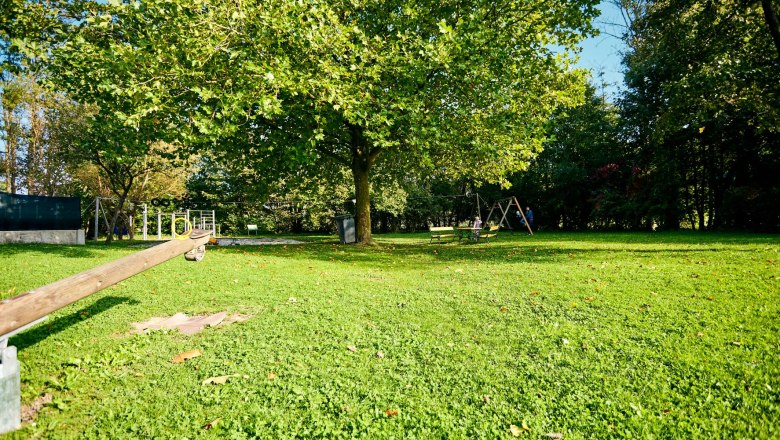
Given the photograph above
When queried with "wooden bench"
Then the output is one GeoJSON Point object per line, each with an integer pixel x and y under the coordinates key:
{"type": "Point", "coordinates": [439, 232]}
{"type": "Point", "coordinates": [492, 232]}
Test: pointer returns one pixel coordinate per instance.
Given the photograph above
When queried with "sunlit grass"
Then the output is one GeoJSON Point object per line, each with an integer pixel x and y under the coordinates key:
{"type": "Point", "coordinates": [589, 335]}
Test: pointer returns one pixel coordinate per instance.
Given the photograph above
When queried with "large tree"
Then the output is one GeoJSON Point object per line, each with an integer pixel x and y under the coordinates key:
{"type": "Point", "coordinates": [406, 86]}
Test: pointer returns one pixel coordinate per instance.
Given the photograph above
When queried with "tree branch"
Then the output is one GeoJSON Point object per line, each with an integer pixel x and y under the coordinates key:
{"type": "Point", "coordinates": [332, 155]}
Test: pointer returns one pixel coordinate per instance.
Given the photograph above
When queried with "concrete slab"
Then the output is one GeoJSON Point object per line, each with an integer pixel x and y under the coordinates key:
{"type": "Point", "coordinates": [50, 237]}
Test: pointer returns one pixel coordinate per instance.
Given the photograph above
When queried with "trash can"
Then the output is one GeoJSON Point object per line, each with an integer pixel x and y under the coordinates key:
{"type": "Point", "coordinates": [346, 227]}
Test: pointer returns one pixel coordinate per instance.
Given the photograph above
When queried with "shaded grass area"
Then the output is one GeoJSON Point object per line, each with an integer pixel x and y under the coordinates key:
{"type": "Point", "coordinates": [589, 335]}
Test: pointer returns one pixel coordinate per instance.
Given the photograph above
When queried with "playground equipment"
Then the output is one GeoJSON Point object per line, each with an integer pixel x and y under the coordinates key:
{"type": "Point", "coordinates": [200, 218]}
{"type": "Point", "coordinates": [503, 206]}
{"type": "Point", "coordinates": [479, 202]}
{"type": "Point", "coordinates": [25, 310]}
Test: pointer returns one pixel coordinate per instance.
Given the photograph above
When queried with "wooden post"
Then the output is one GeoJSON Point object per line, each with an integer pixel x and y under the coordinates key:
{"type": "Point", "coordinates": [479, 209]}
{"type": "Point", "coordinates": [520, 208]}
{"type": "Point", "coordinates": [27, 307]}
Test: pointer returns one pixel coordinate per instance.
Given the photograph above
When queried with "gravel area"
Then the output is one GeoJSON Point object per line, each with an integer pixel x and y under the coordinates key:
{"type": "Point", "coordinates": [254, 241]}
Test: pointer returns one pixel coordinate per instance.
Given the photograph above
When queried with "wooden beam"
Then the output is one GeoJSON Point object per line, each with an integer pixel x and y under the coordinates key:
{"type": "Point", "coordinates": [25, 308]}
{"type": "Point", "coordinates": [520, 208]}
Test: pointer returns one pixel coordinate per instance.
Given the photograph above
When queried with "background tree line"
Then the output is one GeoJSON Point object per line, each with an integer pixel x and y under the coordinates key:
{"type": "Point", "coordinates": [693, 139]}
{"type": "Point", "coordinates": [691, 142]}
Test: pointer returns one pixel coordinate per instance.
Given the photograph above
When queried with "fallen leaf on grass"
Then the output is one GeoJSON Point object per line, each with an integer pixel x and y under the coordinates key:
{"type": "Point", "coordinates": [271, 376]}
{"type": "Point", "coordinates": [535, 293]}
{"type": "Point", "coordinates": [504, 309]}
{"type": "Point", "coordinates": [391, 412]}
{"type": "Point", "coordinates": [737, 343]}
{"type": "Point", "coordinates": [486, 399]}
{"type": "Point", "coordinates": [700, 334]}
{"type": "Point", "coordinates": [352, 348]}
{"type": "Point", "coordinates": [181, 357]}
{"type": "Point", "coordinates": [556, 435]}
{"type": "Point", "coordinates": [211, 424]}
{"type": "Point", "coordinates": [219, 380]}
{"type": "Point", "coordinates": [589, 298]}
{"type": "Point", "coordinates": [380, 354]}
{"type": "Point", "coordinates": [515, 430]}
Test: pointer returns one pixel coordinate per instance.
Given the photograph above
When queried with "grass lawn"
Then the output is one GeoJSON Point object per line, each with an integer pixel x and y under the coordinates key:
{"type": "Point", "coordinates": [588, 335]}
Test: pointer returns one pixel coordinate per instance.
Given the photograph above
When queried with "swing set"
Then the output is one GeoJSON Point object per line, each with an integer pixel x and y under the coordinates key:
{"type": "Point", "coordinates": [504, 207]}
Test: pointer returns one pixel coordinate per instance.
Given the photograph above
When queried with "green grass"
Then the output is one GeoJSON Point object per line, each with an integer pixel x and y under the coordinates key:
{"type": "Point", "coordinates": [589, 335]}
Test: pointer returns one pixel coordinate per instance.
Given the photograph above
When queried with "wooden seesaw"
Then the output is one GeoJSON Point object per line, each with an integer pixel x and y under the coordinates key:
{"type": "Point", "coordinates": [23, 311]}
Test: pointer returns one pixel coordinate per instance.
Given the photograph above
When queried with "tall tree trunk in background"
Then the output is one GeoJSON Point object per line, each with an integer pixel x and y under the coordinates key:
{"type": "Point", "coordinates": [362, 160]}
{"type": "Point", "coordinates": [771, 21]}
{"type": "Point", "coordinates": [11, 142]}
{"type": "Point", "coordinates": [13, 95]}
{"type": "Point", "coordinates": [35, 159]}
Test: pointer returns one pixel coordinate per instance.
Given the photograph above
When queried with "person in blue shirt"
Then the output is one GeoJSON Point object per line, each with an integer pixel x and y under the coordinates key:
{"type": "Point", "coordinates": [529, 215]}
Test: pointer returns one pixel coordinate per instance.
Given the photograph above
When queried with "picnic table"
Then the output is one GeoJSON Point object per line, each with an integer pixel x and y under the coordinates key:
{"type": "Point", "coordinates": [471, 233]}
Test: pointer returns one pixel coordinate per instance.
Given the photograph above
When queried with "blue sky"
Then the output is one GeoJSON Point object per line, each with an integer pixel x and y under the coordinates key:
{"type": "Point", "coordinates": [601, 54]}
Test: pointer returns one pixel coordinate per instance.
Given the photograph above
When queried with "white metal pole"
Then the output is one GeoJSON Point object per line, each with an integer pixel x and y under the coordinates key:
{"type": "Point", "coordinates": [159, 225]}
{"type": "Point", "coordinates": [97, 216]}
{"type": "Point", "coordinates": [145, 222]}
{"type": "Point", "coordinates": [213, 223]}
{"type": "Point", "coordinates": [188, 220]}
{"type": "Point", "coordinates": [173, 225]}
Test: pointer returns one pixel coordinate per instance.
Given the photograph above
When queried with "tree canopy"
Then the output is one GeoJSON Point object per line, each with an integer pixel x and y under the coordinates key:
{"type": "Point", "coordinates": [406, 87]}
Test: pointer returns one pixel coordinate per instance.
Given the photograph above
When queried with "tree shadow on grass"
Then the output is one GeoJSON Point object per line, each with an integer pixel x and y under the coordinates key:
{"type": "Point", "coordinates": [57, 250]}
{"type": "Point", "coordinates": [90, 249]}
{"type": "Point", "coordinates": [48, 328]}
{"type": "Point", "coordinates": [416, 249]}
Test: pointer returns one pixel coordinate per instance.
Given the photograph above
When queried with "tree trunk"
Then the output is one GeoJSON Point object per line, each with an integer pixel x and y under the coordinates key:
{"type": "Point", "coordinates": [362, 203]}
{"type": "Point", "coordinates": [771, 21]}
{"type": "Point", "coordinates": [35, 162]}
{"type": "Point", "coordinates": [115, 217]}
{"type": "Point", "coordinates": [10, 150]}
{"type": "Point", "coordinates": [361, 164]}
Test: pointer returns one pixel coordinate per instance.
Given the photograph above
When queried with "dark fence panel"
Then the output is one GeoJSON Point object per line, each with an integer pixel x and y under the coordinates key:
{"type": "Point", "coordinates": [34, 213]}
